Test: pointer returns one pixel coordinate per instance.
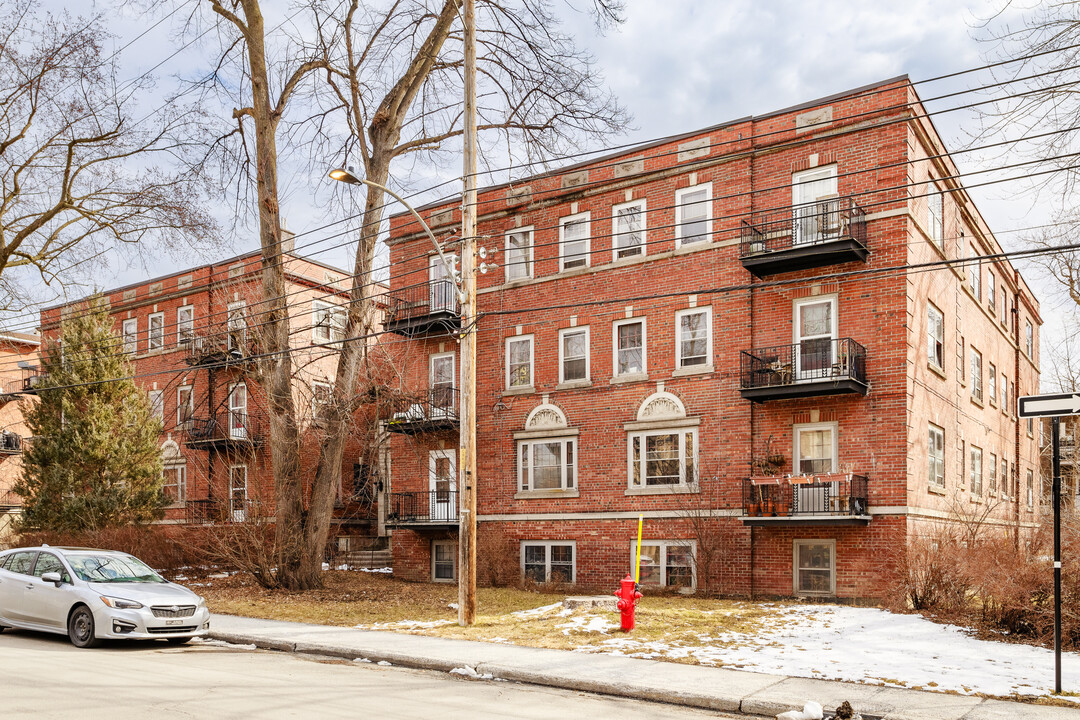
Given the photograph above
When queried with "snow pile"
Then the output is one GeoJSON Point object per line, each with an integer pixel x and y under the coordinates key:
{"type": "Point", "coordinates": [811, 711]}
{"type": "Point", "coordinates": [469, 673]}
{"type": "Point", "coordinates": [386, 570]}
{"type": "Point", "coordinates": [536, 612]}
{"type": "Point", "coordinates": [587, 624]}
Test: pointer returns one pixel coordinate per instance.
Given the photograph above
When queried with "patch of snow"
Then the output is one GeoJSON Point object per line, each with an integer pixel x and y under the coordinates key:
{"type": "Point", "coordinates": [326, 566]}
{"type": "Point", "coordinates": [383, 663]}
{"type": "Point", "coordinates": [469, 673]}
{"type": "Point", "coordinates": [536, 612]}
{"type": "Point", "coordinates": [222, 643]}
{"type": "Point", "coordinates": [453, 606]}
{"type": "Point", "coordinates": [388, 571]}
{"type": "Point", "coordinates": [587, 624]}
{"type": "Point", "coordinates": [180, 577]}
{"type": "Point", "coordinates": [811, 711]}
{"type": "Point", "coordinates": [342, 567]}
{"type": "Point", "coordinates": [361, 660]}
{"type": "Point", "coordinates": [407, 624]}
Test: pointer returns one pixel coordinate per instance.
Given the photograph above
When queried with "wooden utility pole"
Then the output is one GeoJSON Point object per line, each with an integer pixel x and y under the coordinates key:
{"type": "Point", "coordinates": [467, 475]}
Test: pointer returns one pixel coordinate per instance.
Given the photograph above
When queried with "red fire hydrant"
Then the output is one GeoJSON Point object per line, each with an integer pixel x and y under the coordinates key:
{"type": "Point", "coordinates": [628, 597]}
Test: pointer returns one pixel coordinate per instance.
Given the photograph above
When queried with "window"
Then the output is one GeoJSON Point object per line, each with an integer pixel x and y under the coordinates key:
{"type": "Point", "coordinates": [21, 562]}
{"type": "Point", "coordinates": [547, 464]}
{"type": "Point", "coordinates": [238, 492]}
{"type": "Point", "coordinates": [1012, 398]}
{"type": "Point", "coordinates": [327, 322]}
{"type": "Point", "coordinates": [1030, 489]}
{"type": "Point", "coordinates": [443, 561]}
{"type": "Point", "coordinates": [574, 355]}
{"type": "Point", "coordinates": [157, 404]}
{"type": "Point", "coordinates": [519, 361]}
{"type": "Point", "coordinates": [185, 406]}
{"type": "Point", "coordinates": [1031, 427]}
{"type": "Point", "coordinates": [321, 395]}
{"type": "Point", "coordinates": [1004, 478]}
{"type": "Point", "coordinates": [156, 339]}
{"type": "Point", "coordinates": [935, 333]}
{"type": "Point", "coordinates": [239, 425]}
{"type": "Point", "coordinates": [174, 482]}
{"type": "Point", "coordinates": [47, 562]}
{"type": "Point", "coordinates": [976, 375]}
{"type": "Point", "coordinates": [663, 458]}
{"type": "Point", "coordinates": [185, 325]}
{"type": "Point", "coordinates": [815, 447]}
{"type": "Point", "coordinates": [960, 361]}
{"type": "Point", "coordinates": [666, 563]}
{"type": "Point", "coordinates": [936, 454]}
{"type": "Point", "coordinates": [237, 326]}
{"type": "Point", "coordinates": [519, 254]}
{"type": "Point", "coordinates": [814, 334]}
{"type": "Point", "coordinates": [814, 567]}
{"type": "Point", "coordinates": [1004, 393]}
{"type": "Point", "coordinates": [1029, 339]}
{"type": "Point", "coordinates": [548, 561]}
{"type": "Point", "coordinates": [976, 470]}
{"type": "Point", "coordinates": [975, 275]}
{"type": "Point", "coordinates": [991, 383]}
{"type": "Point", "coordinates": [991, 293]}
{"type": "Point", "coordinates": [935, 214]}
{"type": "Point", "coordinates": [630, 347]}
{"type": "Point", "coordinates": [694, 339]}
{"type": "Point", "coordinates": [442, 379]}
{"type": "Point", "coordinates": [131, 335]}
{"type": "Point", "coordinates": [628, 229]}
{"type": "Point", "coordinates": [991, 475]}
{"type": "Point", "coordinates": [574, 241]}
{"type": "Point", "coordinates": [693, 214]}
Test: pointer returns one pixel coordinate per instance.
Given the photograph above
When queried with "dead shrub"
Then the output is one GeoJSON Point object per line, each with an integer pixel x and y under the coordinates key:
{"type": "Point", "coordinates": [929, 578]}
{"type": "Point", "coordinates": [168, 549]}
{"type": "Point", "coordinates": [497, 562]}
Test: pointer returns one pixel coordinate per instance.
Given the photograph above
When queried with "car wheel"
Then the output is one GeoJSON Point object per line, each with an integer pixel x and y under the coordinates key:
{"type": "Point", "coordinates": [81, 628]}
{"type": "Point", "coordinates": [178, 640]}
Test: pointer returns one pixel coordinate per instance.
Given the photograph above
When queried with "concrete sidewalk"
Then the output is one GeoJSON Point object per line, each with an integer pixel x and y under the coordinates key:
{"type": "Point", "coordinates": [692, 685]}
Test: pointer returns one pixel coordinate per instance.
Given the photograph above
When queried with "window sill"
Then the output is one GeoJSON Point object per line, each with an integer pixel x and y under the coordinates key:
{"type": "Point", "coordinates": [935, 490]}
{"type": "Point", "coordinates": [629, 378]}
{"type": "Point", "coordinates": [546, 494]}
{"type": "Point", "coordinates": [573, 384]}
{"type": "Point", "coordinates": [663, 490]}
{"type": "Point", "coordinates": [976, 401]}
{"type": "Point", "coordinates": [519, 391]}
{"type": "Point", "coordinates": [940, 372]}
{"type": "Point", "coordinates": [692, 370]}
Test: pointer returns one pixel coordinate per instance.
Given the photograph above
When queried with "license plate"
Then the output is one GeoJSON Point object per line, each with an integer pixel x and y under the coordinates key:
{"type": "Point", "coordinates": [174, 622]}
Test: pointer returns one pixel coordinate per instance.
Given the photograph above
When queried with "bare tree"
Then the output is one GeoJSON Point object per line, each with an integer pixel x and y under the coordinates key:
{"type": "Point", "coordinates": [78, 175]}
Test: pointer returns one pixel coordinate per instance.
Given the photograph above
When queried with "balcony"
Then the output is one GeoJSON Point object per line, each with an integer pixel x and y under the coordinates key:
{"type": "Point", "coordinates": [821, 499]}
{"type": "Point", "coordinates": [808, 369]}
{"type": "Point", "coordinates": [208, 512]}
{"type": "Point", "coordinates": [830, 231]}
{"type": "Point", "coordinates": [428, 308]}
{"type": "Point", "coordinates": [226, 429]}
{"type": "Point", "coordinates": [434, 411]}
{"type": "Point", "coordinates": [435, 508]}
{"type": "Point", "coordinates": [218, 348]}
{"type": "Point", "coordinates": [10, 443]}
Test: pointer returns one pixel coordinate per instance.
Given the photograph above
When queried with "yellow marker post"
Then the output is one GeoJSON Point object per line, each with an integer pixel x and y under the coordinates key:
{"type": "Point", "coordinates": [637, 570]}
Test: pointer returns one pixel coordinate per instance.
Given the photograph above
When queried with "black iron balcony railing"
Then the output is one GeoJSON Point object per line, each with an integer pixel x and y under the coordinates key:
{"type": "Point", "coordinates": [841, 495]}
{"type": "Point", "coordinates": [226, 427]}
{"type": "Point", "coordinates": [419, 308]}
{"type": "Point", "coordinates": [828, 231]}
{"type": "Point", "coordinates": [10, 443]}
{"type": "Point", "coordinates": [434, 506]}
{"type": "Point", "coordinates": [221, 346]}
{"type": "Point", "coordinates": [819, 366]}
{"type": "Point", "coordinates": [435, 409]}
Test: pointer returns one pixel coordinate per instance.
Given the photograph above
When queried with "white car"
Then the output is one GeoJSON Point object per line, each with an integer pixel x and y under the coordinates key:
{"type": "Point", "coordinates": [92, 595]}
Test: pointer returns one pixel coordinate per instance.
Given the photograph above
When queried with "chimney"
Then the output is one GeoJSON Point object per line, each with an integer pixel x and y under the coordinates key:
{"type": "Point", "coordinates": [287, 244]}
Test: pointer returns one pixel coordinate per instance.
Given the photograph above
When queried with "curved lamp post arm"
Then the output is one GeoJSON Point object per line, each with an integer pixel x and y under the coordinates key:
{"type": "Point", "coordinates": [345, 176]}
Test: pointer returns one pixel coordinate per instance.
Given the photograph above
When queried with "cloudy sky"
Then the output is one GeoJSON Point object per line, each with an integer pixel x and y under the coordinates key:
{"type": "Point", "coordinates": [677, 65]}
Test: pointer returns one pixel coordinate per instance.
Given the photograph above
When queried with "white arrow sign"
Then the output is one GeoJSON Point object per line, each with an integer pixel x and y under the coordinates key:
{"type": "Point", "coordinates": [1049, 405]}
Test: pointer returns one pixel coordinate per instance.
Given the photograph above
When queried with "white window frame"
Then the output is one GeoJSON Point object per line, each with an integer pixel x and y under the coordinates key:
{"type": "Point", "coordinates": [975, 274]}
{"type": "Point", "coordinates": [454, 556]}
{"type": "Point", "coordinates": [976, 377]}
{"type": "Point", "coordinates": [975, 470]}
{"type": "Point", "coordinates": [130, 333]}
{"type": "Point", "coordinates": [532, 360]}
{"type": "Point", "coordinates": [182, 422]}
{"type": "Point", "coordinates": [547, 545]}
{"type": "Point", "coordinates": [236, 324]}
{"type": "Point", "coordinates": [238, 514]}
{"type": "Point", "coordinates": [933, 341]}
{"type": "Point", "coordinates": [157, 404]}
{"type": "Point", "coordinates": [639, 479]}
{"type": "Point", "coordinates": [663, 545]}
{"type": "Point", "coordinates": [798, 336]}
{"type": "Point", "coordinates": [935, 215]}
{"type": "Point", "coordinates": [680, 220]}
{"type": "Point", "coordinates": [183, 325]}
{"type": "Point", "coordinates": [333, 329]}
{"type": "Point", "coordinates": [644, 347]}
{"type": "Point", "coordinates": [513, 268]}
{"type": "Point", "coordinates": [586, 258]}
{"type": "Point", "coordinates": [796, 544]}
{"type": "Point", "coordinates": [991, 476]}
{"type": "Point", "coordinates": [180, 467]}
{"type": "Point", "coordinates": [159, 335]}
{"type": "Point", "coordinates": [1029, 339]}
{"type": "Point", "coordinates": [991, 292]}
{"type": "Point", "coordinates": [991, 382]}
{"type": "Point", "coordinates": [679, 359]}
{"type": "Point", "coordinates": [622, 253]}
{"type": "Point", "coordinates": [317, 405]}
{"type": "Point", "coordinates": [798, 428]}
{"type": "Point", "coordinates": [935, 464]}
{"type": "Point", "coordinates": [1031, 488]}
{"type": "Point", "coordinates": [526, 463]}
{"type": "Point", "coordinates": [562, 354]}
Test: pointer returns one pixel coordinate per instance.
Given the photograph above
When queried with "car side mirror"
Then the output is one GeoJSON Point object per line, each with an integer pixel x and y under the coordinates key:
{"type": "Point", "coordinates": [52, 577]}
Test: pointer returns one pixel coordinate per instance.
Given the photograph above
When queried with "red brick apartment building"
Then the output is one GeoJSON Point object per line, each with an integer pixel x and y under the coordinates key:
{"type": "Point", "coordinates": [191, 336]}
{"type": "Point", "coordinates": [18, 355]}
{"type": "Point", "coordinates": [739, 333]}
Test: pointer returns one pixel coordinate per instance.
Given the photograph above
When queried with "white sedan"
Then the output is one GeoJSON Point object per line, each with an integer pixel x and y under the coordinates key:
{"type": "Point", "coordinates": [91, 595]}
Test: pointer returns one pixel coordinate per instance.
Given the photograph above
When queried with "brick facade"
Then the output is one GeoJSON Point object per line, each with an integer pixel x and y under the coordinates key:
{"type": "Point", "coordinates": [833, 352]}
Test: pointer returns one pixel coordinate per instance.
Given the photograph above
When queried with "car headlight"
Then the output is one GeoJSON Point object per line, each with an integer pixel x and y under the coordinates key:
{"type": "Point", "coordinates": [120, 603]}
{"type": "Point", "coordinates": [201, 602]}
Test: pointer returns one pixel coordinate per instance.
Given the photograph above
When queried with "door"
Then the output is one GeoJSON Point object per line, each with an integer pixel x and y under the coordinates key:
{"type": "Point", "coordinates": [815, 338]}
{"type": "Point", "coordinates": [51, 603]}
{"type": "Point", "coordinates": [815, 454]}
{"type": "Point", "coordinates": [816, 219]}
{"type": "Point", "coordinates": [442, 484]}
{"type": "Point", "coordinates": [441, 296]}
{"type": "Point", "coordinates": [237, 327]}
{"type": "Point", "coordinates": [442, 384]}
{"type": "Point", "coordinates": [16, 602]}
{"type": "Point", "coordinates": [238, 493]}
{"type": "Point", "coordinates": [238, 417]}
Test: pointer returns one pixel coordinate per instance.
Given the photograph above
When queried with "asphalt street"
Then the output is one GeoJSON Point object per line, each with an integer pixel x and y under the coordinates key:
{"type": "Point", "coordinates": [43, 676]}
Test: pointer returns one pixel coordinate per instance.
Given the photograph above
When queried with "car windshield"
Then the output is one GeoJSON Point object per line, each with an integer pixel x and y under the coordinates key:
{"type": "Point", "coordinates": [112, 569]}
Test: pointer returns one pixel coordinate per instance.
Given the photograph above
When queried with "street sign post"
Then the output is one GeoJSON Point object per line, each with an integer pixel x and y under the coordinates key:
{"type": "Point", "coordinates": [1053, 407]}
